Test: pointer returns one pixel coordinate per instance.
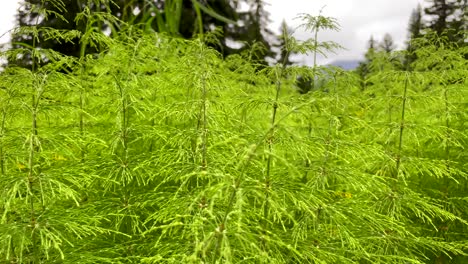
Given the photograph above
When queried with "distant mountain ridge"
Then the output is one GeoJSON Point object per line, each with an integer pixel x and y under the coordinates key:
{"type": "Point", "coordinates": [345, 64]}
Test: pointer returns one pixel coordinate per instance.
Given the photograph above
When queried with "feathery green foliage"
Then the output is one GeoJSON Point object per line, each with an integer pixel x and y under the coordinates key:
{"type": "Point", "coordinates": [158, 150]}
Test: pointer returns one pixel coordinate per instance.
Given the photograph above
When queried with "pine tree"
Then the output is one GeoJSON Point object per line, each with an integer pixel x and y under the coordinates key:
{"type": "Point", "coordinates": [61, 16]}
{"type": "Point", "coordinates": [176, 17]}
{"type": "Point", "coordinates": [363, 69]}
{"type": "Point", "coordinates": [372, 46]}
{"type": "Point", "coordinates": [260, 25]}
{"type": "Point", "coordinates": [252, 32]}
{"type": "Point", "coordinates": [415, 28]}
{"type": "Point", "coordinates": [416, 23]}
{"type": "Point", "coordinates": [284, 53]}
{"type": "Point", "coordinates": [447, 17]}
{"type": "Point", "coordinates": [387, 44]}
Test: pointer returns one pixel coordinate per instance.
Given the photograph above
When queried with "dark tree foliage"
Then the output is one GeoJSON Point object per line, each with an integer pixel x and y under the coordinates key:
{"type": "Point", "coordinates": [364, 67]}
{"type": "Point", "coordinates": [28, 15]}
{"type": "Point", "coordinates": [284, 54]}
{"type": "Point", "coordinates": [447, 17]}
{"type": "Point", "coordinates": [416, 25]}
{"type": "Point", "coordinates": [387, 44]}
{"type": "Point", "coordinates": [251, 24]}
{"type": "Point", "coordinates": [415, 28]}
{"type": "Point", "coordinates": [254, 29]}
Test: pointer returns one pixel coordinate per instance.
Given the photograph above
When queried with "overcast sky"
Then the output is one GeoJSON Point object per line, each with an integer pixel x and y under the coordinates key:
{"type": "Point", "coordinates": [359, 19]}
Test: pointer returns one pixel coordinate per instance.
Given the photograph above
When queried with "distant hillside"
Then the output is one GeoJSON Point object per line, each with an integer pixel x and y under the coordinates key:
{"type": "Point", "coordinates": [345, 64]}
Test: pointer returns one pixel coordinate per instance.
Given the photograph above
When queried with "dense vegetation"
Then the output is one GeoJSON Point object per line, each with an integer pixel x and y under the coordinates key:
{"type": "Point", "coordinates": [181, 18]}
{"type": "Point", "coordinates": [160, 150]}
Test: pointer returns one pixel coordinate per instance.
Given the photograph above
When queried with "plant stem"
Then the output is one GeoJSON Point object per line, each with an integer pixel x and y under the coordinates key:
{"type": "Point", "coordinates": [32, 149]}
{"type": "Point", "coordinates": [402, 127]}
{"type": "Point", "coordinates": [242, 168]}
{"type": "Point", "coordinates": [82, 106]}
{"type": "Point", "coordinates": [270, 141]}
{"type": "Point", "coordinates": [447, 142]}
{"type": "Point", "coordinates": [307, 162]}
{"type": "Point", "coordinates": [2, 134]}
{"type": "Point", "coordinates": [309, 122]}
{"type": "Point", "coordinates": [329, 132]}
{"type": "Point", "coordinates": [204, 126]}
{"type": "Point", "coordinates": [314, 69]}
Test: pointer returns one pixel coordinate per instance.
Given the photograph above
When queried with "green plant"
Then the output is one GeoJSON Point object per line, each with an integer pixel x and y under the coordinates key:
{"type": "Point", "coordinates": [158, 150]}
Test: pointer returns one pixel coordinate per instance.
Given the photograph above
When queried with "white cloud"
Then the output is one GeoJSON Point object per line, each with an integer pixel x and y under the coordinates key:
{"type": "Point", "coordinates": [359, 19]}
{"type": "Point", "coordinates": [7, 12]}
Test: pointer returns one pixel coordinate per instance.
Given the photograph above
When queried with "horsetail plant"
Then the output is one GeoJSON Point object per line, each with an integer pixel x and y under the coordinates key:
{"type": "Point", "coordinates": [155, 149]}
{"type": "Point", "coordinates": [315, 24]}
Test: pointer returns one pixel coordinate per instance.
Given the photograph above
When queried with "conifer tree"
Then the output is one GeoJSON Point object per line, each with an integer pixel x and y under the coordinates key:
{"type": "Point", "coordinates": [284, 54]}
{"type": "Point", "coordinates": [448, 17]}
{"type": "Point", "coordinates": [364, 67]}
{"type": "Point", "coordinates": [416, 24]}
{"type": "Point", "coordinates": [60, 15]}
{"type": "Point", "coordinates": [415, 27]}
{"type": "Point", "coordinates": [387, 44]}
{"type": "Point", "coordinates": [252, 31]}
{"type": "Point", "coordinates": [176, 17]}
